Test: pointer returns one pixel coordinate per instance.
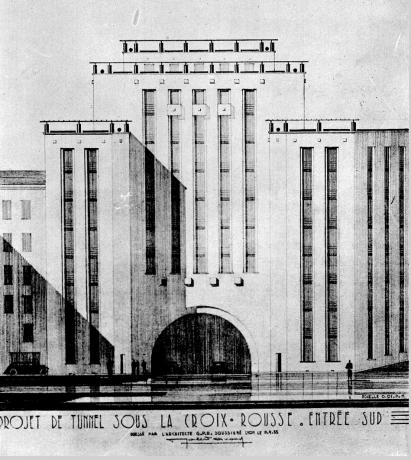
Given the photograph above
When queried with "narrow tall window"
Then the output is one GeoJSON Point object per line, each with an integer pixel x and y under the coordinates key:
{"type": "Point", "coordinates": [174, 133]}
{"type": "Point", "coordinates": [306, 255]}
{"type": "Point", "coordinates": [26, 242]}
{"type": "Point", "coordinates": [224, 136]}
{"type": "Point", "coordinates": [149, 131]}
{"type": "Point", "coordinates": [8, 274]}
{"type": "Point", "coordinates": [149, 119]}
{"type": "Point", "coordinates": [174, 127]}
{"type": "Point", "coordinates": [150, 215]}
{"type": "Point", "coordinates": [92, 242]}
{"type": "Point", "coordinates": [68, 261]}
{"type": "Point", "coordinates": [7, 242]}
{"type": "Point", "coordinates": [331, 256]}
{"type": "Point", "coordinates": [249, 181]}
{"type": "Point", "coordinates": [8, 304]}
{"type": "Point", "coordinates": [27, 304]}
{"type": "Point", "coordinates": [25, 209]}
{"type": "Point", "coordinates": [6, 209]}
{"type": "Point", "coordinates": [28, 333]}
{"type": "Point", "coordinates": [401, 244]}
{"type": "Point", "coordinates": [200, 235]}
{"type": "Point", "coordinates": [27, 275]}
{"type": "Point", "coordinates": [387, 248]}
{"type": "Point", "coordinates": [175, 226]}
{"type": "Point", "coordinates": [370, 308]}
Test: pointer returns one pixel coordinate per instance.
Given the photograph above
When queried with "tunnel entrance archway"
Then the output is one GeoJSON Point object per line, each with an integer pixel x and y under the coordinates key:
{"type": "Point", "coordinates": [200, 343]}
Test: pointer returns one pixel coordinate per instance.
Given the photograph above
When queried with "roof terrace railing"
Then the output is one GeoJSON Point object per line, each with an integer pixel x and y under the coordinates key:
{"type": "Point", "coordinates": [86, 126]}
{"type": "Point", "coordinates": [263, 45]}
{"type": "Point", "coordinates": [197, 67]}
{"type": "Point", "coordinates": [297, 125]}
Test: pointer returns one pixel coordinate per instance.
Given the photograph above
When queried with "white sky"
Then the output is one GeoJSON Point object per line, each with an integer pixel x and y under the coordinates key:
{"type": "Point", "coordinates": [358, 53]}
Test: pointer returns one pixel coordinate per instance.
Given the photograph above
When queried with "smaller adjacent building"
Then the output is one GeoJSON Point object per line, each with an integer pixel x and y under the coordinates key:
{"type": "Point", "coordinates": [23, 325]}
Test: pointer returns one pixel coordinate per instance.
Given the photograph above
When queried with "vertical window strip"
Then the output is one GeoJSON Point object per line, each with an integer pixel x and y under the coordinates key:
{"type": "Point", "coordinates": [331, 256]}
{"type": "Point", "coordinates": [200, 238]}
{"type": "Point", "coordinates": [249, 181]}
{"type": "Point", "coordinates": [150, 214]}
{"type": "Point", "coordinates": [68, 262]}
{"type": "Point", "coordinates": [149, 140]}
{"type": "Point", "coordinates": [306, 256]}
{"type": "Point", "coordinates": [401, 249]}
{"type": "Point", "coordinates": [387, 347]}
{"type": "Point", "coordinates": [224, 184]}
{"type": "Point", "coordinates": [149, 127]}
{"type": "Point", "coordinates": [174, 133]}
{"type": "Point", "coordinates": [175, 227]}
{"type": "Point", "coordinates": [370, 302]}
{"type": "Point", "coordinates": [92, 244]}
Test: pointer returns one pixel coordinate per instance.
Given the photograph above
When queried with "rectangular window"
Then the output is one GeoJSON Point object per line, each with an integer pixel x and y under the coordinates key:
{"type": "Point", "coordinates": [6, 208]}
{"type": "Point", "coordinates": [92, 249]}
{"type": "Point", "coordinates": [224, 143]}
{"type": "Point", "coordinates": [402, 330]}
{"type": "Point", "coordinates": [8, 304]}
{"type": "Point", "coordinates": [25, 209]}
{"type": "Point", "coordinates": [27, 275]}
{"type": "Point", "coordinates": [249, 97]}
{"type": "Point", "coordinates": [150, 214]}
{"type": "Point", "coordinates": [370, 151]}
{"type": "Point", "coordinates": [200, 235]}
{"type": "Point", "coordinates": [8, 274]}
{"type": "Point", "coordinates": [7, 242]}
{"type": "Point", "coordinates": [387, 313]}
{"type": "Point", "coordinates": [149, 119]}
{"type": "Point", "coordinates": [68, 253]}
{"type": "Point", "coordinates": [26, 242]}
{"type": "Point", "coordinates": [331, 256]}
{"type": "Point", "coordinates": [306, 231]}
{"type": "Point", "coordinates": [174, 127]}
{"type": "Point", "coordinates": [27, 304]}
{"type": "Point", "coordinates": [28, 333]}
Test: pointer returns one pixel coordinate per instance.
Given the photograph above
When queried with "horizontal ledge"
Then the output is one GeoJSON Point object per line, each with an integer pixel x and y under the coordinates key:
{"type": "Point", "coordinates": [312, 119]}
{"type": "Point", "coordinates": [82, 121]}
{"type": "Point", "coordinates": [200, 40]}
{"type": "Point", "coordinates": [215, 61]}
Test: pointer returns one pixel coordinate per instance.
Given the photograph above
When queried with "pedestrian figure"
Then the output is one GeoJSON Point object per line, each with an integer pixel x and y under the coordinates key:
{"type": "Point", "coordinates": [135, 368]}
{"type": "Point", "coordinates": [144, 368]}
{"type": "Point", "coordinates": [349, 367]}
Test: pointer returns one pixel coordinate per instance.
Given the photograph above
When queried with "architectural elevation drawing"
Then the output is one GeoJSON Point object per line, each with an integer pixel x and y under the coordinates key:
{"type": "Point", "coordinates": [201, 238]}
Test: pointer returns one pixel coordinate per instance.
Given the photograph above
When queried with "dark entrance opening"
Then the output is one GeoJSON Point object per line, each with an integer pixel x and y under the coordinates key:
{"type": "Point", "coordinates": [200, 344]}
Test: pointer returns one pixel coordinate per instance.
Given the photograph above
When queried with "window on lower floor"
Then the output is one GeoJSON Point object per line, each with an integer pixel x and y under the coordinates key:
{"type": "Point", "coordinates": [8, 274]}
{"type": "Point", "coordinates": [8, 304]}
{"type": "Point", "coordinates": [7, 242]}
{"type": "Point", "coordinates": [26, 242]}
{"type": "Point", "coordinates": [28, 333]}
{"type": "Point", "coordinates": [27, 275]}
{"type": "Point", "coordinates": [28, 304]}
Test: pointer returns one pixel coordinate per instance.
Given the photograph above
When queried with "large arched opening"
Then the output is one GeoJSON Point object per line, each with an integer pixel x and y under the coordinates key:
{"type": "Point", "coordinates": [198, 344]}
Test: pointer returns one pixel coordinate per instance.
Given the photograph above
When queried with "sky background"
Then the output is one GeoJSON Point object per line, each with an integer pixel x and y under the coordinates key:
{"type": "Point", "coordinates": [358, 52]}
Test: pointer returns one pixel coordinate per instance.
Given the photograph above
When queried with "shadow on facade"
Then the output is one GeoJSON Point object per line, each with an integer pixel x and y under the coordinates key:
{"type": "Point", "coordinates": [34, 317]}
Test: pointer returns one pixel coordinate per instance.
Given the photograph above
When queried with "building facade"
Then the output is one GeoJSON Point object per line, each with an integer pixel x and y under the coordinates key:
{"type": "Point", "coordinates": [215, 234]}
